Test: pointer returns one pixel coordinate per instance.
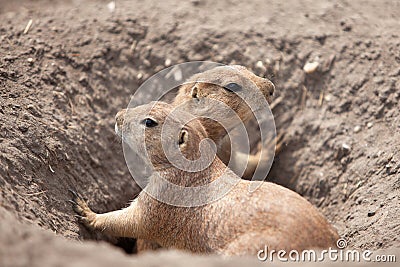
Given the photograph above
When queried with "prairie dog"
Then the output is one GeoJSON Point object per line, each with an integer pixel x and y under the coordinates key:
{"type": "Point", "coordinates": [226, 84]}
{"type": "Point", "coordinates": [274, 216]}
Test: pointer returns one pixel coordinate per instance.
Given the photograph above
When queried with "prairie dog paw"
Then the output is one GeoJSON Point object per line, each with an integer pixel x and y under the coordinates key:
{"type": "Point", "coordinates": [84, 214]}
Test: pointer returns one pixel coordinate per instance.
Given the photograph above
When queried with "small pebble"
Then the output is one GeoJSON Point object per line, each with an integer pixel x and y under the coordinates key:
{"type": "Point", "coordinates": [167, 62]}
{"type": "Point", "coordinates": [369, 125]}
{"type": "Point", "coordinates": [310, 67]}
{"type": "Point", "coordinates": [260, 64]}
{"type": "Point", "coordinates": [147, 63]}
{"type": "Point", "coordinates": [357, 129]}
{"type": "Point", "coordinates": [346, 147]}
{"type": "Point", "coordinates": [328, 97]}
{"type": "Point", "coordinates": [30, 60]}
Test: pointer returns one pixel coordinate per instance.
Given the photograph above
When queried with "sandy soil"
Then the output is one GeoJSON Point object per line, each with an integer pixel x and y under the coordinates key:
{"type": "Point", "coordinates": [62, 82]}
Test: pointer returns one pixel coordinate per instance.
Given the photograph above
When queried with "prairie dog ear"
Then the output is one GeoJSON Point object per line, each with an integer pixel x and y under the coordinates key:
{"type": "Point", "coordinates": [194, 91]}
{"type": "Point", "coordinates": [183, 138]}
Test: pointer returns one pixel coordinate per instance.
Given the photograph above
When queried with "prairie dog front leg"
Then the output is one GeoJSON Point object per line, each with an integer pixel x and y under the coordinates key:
{"type": "Point", "coordinates": [121, 223]}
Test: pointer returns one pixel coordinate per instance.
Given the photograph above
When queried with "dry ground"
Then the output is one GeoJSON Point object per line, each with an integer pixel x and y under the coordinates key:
{"type": "Point", "coordinates": [62, 82]}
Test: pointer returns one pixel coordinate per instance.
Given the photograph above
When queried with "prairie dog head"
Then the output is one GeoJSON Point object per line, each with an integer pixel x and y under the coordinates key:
{"type": "Point", "coordinates": [218, 92]}
{"type": "Point", "coordinates": [165, 137]}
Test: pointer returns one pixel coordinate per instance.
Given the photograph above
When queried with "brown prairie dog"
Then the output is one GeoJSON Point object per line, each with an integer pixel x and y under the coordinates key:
{"type": "Point", "coordinates": [274, 216]}
{"type": "Point", "coordinates": [215, 87]}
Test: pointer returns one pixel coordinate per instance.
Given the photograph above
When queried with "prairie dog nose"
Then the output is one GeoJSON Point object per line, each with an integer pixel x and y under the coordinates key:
{"type": "Point", "coordinates": [119, 120]}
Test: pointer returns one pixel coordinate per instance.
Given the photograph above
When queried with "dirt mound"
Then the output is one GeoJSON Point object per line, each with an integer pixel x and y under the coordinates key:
{"type": "Point", "coordinates": [27, 245]}
{"type": "Point", "coordinates": [64, 78]}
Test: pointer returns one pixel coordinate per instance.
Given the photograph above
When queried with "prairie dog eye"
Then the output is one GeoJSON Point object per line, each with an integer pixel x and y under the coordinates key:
{"type": "Point", "coordinates": [149, 123]}
{"type": "Point", "coordinates": [183, 137]}
{"type": "Point", "coordinates": [233, 87]}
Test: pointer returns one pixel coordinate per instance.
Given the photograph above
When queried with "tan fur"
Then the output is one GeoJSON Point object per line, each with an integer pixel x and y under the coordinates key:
{"type": "Point", "coordinates": [274, 216]}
